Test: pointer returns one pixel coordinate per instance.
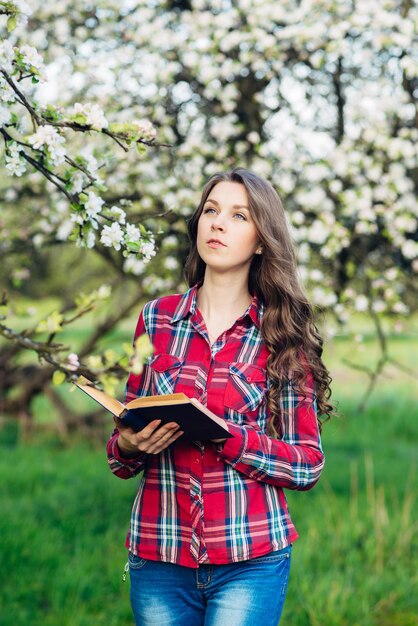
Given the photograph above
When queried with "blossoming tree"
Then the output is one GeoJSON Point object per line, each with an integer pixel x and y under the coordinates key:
{"type": "Point", "coordinates": [320, 97]}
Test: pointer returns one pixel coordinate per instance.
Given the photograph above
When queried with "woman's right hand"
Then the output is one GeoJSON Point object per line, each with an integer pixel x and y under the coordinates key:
{"type": "Point", "coordinates": [152, 439]}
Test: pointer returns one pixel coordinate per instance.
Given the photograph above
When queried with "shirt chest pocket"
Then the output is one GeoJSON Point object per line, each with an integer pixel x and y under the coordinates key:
{"type": "Point", "coordinates": [165, 370]}
{"type": "Point", "coordinates": [246, 387]}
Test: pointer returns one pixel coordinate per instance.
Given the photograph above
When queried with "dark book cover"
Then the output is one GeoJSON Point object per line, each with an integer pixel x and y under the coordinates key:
{"type": "Point", "coordinates": [194, 423]}
{"type": "Point", "coordinates": [196, 420]}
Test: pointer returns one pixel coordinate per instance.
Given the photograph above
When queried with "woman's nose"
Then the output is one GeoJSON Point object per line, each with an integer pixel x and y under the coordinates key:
{"type": "Point", "coordinates": [218, 223]}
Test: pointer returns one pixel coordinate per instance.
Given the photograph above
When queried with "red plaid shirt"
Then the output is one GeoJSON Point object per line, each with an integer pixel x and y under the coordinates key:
{"type": "Point", "coordinates": [198, 503]}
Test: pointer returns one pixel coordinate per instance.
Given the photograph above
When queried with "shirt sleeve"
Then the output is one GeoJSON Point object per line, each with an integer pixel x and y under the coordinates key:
{"type": "Point", "coordinates": [296, 460]}
{"type": "Point", "coordinates": [137, 385]}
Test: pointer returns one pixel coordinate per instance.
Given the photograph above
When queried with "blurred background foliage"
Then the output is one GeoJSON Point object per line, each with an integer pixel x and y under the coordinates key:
{"type": "Point", "coordinates": [320, 98]}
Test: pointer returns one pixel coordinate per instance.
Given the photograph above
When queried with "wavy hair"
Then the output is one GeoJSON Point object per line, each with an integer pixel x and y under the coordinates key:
{"type": "Point", "coordinates": [288, 328]}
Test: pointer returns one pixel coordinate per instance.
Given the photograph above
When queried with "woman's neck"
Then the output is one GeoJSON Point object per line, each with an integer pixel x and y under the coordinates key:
{"type": "Point", "coordinates": [221, 296]}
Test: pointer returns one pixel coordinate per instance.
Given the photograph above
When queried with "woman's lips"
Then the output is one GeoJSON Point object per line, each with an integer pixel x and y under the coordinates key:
{"type": "Point", "coordinates": [216, 244]}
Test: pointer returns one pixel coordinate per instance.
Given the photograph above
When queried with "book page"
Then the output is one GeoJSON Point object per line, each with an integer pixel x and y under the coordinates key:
{"type": "Point", "coordinates": [109, 403]}
{"type": "Point", "coordinates": [173, 398]}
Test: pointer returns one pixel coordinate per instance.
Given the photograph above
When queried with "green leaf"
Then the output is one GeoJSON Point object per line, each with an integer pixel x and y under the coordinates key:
{"type": "Point", "coordinates": [124, 362]}
{"type": "Point", "coordinates": [79, 118]}
{"type": "Point", "coordinates": [132, 246]}
{"type": "Point", "coordinates": [76, 207]}
{"type": "Point", "coordinates": [58, 378]}
{"type": "Point", "coordinates": [128, 348]}
{"type": "Point", "coordinates": [141, 149]}
{"type": "Point", "coordinates": [11, 23]}
{"type": "Point", "coordinates": [52, 324]}
{"type": "Point", "coordinates": [110, 383]}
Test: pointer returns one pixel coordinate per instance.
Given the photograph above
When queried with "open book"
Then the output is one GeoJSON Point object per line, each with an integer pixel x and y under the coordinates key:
{"type": "Point", "coordinates": [194, 419]}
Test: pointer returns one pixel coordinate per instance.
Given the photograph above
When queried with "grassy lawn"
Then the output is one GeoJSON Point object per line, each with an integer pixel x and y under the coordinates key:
{"type": "Point", "coordinates": [64, 516]}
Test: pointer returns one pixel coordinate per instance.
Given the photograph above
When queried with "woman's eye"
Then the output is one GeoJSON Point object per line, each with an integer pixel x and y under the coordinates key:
{"type": "Point", "coordinates": [241, 216]}
{"type": "Point", "coordinates": [209, 208]}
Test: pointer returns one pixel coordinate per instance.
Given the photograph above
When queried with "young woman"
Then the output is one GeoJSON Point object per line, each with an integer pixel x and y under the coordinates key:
{"type": "Point", "coordinates": [210, 538]}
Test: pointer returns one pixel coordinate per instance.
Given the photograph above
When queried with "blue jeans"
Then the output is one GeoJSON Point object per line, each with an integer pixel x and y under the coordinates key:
{"type": "Point", "coordinates": [249, 593]}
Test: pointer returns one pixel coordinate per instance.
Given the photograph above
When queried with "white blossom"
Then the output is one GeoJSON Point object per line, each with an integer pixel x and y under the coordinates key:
{"type": "Point", "coordinates": [298, 218]}
{"type": "Point", "coordinates": [15, 164]}
{"type": "Point", "coordinates": [132, 233]}
{"type": "Point", "coordinates": [410, 249]}
{"type": "Point", "coordinates": [104, 292]}
{"type": "Point", "coordinates": [31, 57]}
{"type": "Point", "coordinates": [118, 214]}
{"type": "Point", "coordinates": [317, 232]}
{"type": "Point", "coordinates": [92, 164]}
{"type": "Point", "coordinates": [73, 362]}
{"type": "Point", "coordinates": [171, 240]}
{"type": "Point", "coordinates": [312, 198]}
{"type": "Point", "coordinates": [148, 250]}
{"type": "Point", "coordinates": [64, 230]}
{"type": "Point", "coordinates": [47, 137]}
{"type": "Point", "coordinates": [146, 129]}
{"type": "Point", "coordinates": [7, 55]}
{"type": "Point", "coordinates": [253, 137]}
{"type": "Point", "coordinates": [57, 152]}
{"type": "Point", "coordinates": [133, 265]}
{"type": "Point", "coordinates": [410, 66]}
{"type": "Point", "coordinates": [91, 239]}
{"type": "Point", "coordinates": [88, 241]}
{"type": "Point", "coordinates": [112, 236]}
{"type": "Point", "coordinates": [93, 114]}
{"type": "Point", "coordinates": [38, 240]}
{"type": "Point", "coordinates": [323, 298]}
{"type": "Point", "coordinates": [405, 223]}
{"type": "Point", "coordinates": [93, 207]}
{"type": "Point", "coordinates": [361, 303]}
{"type": "Point", "coordinates": [379, 306]}
{"type": "Point", "coordinates": [6, 92]}
{"type": "Point", "coordinates": [223, 128]}
{"type": "Point", "coordinates": [77, 182]}
{"type": "Point", "coordinates": [316, 275]}
{"type": "Point", "coordinates": [23, 7]}
{"type": "Point", "coordinates": [391, 273]}
{"type": "Point", "coordinates": [5, 116]}
{"type": "Point", "coordinates": [400, 307]}
{"type": "Point", "coordinates": [171, 263]}
{"type": "Point", "coordinates": [77, 218]}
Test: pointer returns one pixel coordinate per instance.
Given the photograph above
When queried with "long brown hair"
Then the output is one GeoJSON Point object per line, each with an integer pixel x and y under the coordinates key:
{"type": "Point", "coordinates": [287, 327]}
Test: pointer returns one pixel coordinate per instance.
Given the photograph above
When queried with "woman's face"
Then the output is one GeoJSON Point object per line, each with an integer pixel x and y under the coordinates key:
{"type": "Point", "coordinates": [227, 238]}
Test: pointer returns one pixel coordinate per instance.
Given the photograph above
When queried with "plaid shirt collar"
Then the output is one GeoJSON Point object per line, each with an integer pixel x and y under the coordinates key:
{"type": "Point", "coordinates": [188, 305]}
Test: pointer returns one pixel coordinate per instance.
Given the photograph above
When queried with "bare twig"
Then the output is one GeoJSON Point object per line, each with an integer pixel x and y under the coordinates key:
{"type": "Point", "coordinates": [21, 339]}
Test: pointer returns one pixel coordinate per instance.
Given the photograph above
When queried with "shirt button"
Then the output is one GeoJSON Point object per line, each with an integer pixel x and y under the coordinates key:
{"type": "Point", "coordinates": [196, 498]}
{"type": "Point", "coordinates": [249, 379]}
{"type": "Point", "coordinates": [197, 461]}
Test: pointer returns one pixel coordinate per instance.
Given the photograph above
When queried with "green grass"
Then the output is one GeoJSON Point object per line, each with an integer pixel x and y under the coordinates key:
{"type": "Point", "coordinates": [63, 522]}
{"type": "Point", "coordinates": [64, 516]}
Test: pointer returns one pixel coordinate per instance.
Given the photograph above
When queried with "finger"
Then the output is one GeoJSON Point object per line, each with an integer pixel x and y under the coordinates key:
{"type": "Point", "coordinates": [158, 438]}
{"type": "Point", "coordinates": [157, 432]}
{"type": "Point", "coordinates": [148, 444]}
{"type": "Point", "coordinates": [148, 430]}
{"type": "Point", "coordinates": [163, 444]}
